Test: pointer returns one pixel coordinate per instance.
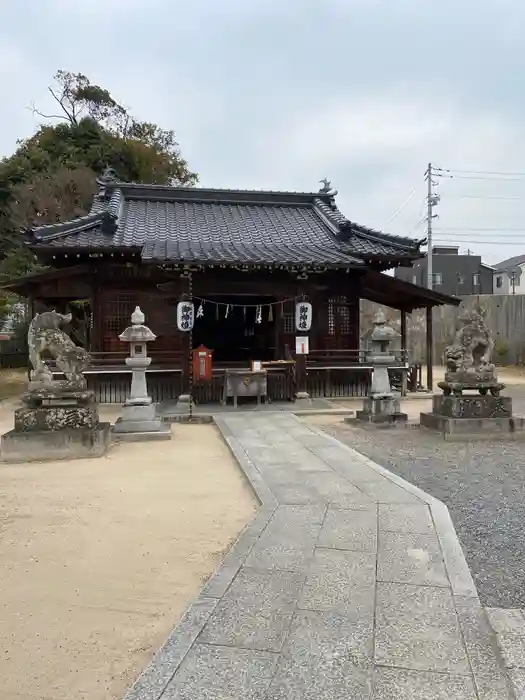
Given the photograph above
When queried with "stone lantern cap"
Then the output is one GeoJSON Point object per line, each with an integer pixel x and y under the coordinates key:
{"type": "Point", "coordinates": [137, 332]}
{"type": "Point", "coordinates": [382, 332]}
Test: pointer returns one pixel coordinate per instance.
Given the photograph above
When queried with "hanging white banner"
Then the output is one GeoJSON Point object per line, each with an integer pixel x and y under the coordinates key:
{"type": "Point", "coordinates": [303, 316]}
{"type": "Point", "coordinates": [185, 316]}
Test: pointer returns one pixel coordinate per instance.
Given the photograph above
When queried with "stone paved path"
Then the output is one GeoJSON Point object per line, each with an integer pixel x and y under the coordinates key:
{"type": "Point", "coordinates": [350, 583]}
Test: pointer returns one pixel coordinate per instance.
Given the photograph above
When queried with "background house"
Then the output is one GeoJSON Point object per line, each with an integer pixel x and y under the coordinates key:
{"type": "Point", "coordinates": [452, 273]}
{"type": "Point", "coordinates": [509, 277]}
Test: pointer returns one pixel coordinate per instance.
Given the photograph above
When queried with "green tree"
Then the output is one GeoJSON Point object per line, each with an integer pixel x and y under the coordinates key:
{"type": "Point", "coordinates": [52, 175]}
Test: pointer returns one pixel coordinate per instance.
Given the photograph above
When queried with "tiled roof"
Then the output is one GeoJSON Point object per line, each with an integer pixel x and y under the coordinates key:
{"type": "Point", "coordinates": [510, 263]}
{"type": "Point", "coordinates": [224, 226]}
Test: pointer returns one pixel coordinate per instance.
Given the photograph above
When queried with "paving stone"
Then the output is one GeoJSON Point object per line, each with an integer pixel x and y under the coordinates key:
{"type": "Point", "coordinates": [480, 642]}
{"type": "Point", "coordinates": [248, 537]}
{"type": "Point", "coordinates": [410, 558]}
{"type": "Point", "coordinates": [513, 650]}
{"type": "Point", "coordinates": [327, 657]}
{"type": "Point", "coordinates": [266, 589]}
{"type": "Point", "coordinates": [289, 538]}
{"type": "Point", "coordinates": [350, 529]}
{"type": "Point", "coordinates": [151, 683]}
{"type": "Point", "coordinates": [510, 620]}
{"type": "Point", "coordinates": [218, 583]}
{"type": "Point", "coordinates": [341, 582]}
{"type": "Point", "coordinates": [396, 684]}
{"type": "Point", "coordinates": [385, 491]}
{"type": "Point", "coordinates": [295, 493]}
{"type": "Point", "coordinates": [517, 677]}
{"type": "Point", "coordinates": [220, 673]}
{"type": "Point", "coordinates": [334, 488]}
{"type": "Point", "coordinates": [235, 624]}
{"type": "Point", "coordinates": [406, 518]}
{"type": "Point", "coordinates": [417, 629]}
{"type": "Point", "coordinates": [456, 565]}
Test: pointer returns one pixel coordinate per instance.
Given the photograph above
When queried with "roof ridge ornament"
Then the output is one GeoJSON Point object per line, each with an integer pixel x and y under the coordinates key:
{"type": "Point", "coordinates": [327, 187]}
{"type": "Point", "coordinates": [108, 177]}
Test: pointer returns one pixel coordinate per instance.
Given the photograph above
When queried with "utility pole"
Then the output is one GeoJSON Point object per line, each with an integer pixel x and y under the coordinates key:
{"type": "Point", "coordinates": [432, 201]}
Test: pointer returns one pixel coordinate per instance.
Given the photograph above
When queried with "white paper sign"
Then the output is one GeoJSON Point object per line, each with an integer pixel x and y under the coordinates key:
{"type": "Point", "coordinates": [301, 345]}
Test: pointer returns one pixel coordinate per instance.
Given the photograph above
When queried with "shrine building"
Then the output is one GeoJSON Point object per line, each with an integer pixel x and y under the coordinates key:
{"type": "Point", "coordinates": [243, 260]}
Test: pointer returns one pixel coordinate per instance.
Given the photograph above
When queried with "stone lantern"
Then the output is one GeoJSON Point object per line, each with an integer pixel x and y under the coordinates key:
{"type": "Point", "coordinates": [139, 420]}
{"type": "Point", "coordinates": [381, 405]}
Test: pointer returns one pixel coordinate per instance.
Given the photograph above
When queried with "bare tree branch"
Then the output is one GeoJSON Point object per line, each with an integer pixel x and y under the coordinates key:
{"type": "Point", "coordinates": [45, 116]}
{"type": "Point", "coordinates": [71, 116]}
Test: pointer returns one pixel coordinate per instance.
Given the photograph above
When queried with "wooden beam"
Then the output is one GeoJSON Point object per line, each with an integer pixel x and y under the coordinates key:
{"type": "Point", "coordinates": [404, 331]}
{"type": "Point", "coordinates": [430, 351]}
{"type": "Point", "coordinates": [97, 311]}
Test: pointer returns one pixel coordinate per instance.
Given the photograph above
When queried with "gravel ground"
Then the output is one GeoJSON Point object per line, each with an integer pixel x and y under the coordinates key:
{"type": "Point", "coordinates": [483, 485]}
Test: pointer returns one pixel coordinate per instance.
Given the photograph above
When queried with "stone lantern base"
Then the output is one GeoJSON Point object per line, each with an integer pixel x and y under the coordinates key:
{"type": "Point", "coordinates": [140, 422]}
{"type": "Point", "coordinates": [381, 409]}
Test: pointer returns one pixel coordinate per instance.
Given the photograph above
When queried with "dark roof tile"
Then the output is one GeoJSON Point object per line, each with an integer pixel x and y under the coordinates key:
{"type": "Point", "coordinates": [225, 226]}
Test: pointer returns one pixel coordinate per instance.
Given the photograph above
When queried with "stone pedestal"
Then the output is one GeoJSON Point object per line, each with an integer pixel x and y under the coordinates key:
{"type": "Point", "coordinates": [472, 415]}
{"type": "Point", "coordinates": [381, 409]}
{"type": "Point", "coordinates": [50, 445]}
{"type": "Point", "coordinates": [57, 421]}
{"type": "Point", "coordinates": [140, 422]}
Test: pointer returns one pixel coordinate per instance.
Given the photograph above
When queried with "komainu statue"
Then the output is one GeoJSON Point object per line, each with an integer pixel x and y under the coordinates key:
{"type": "Point", "coordinates": [45, 336]}
{"type": "Point", "coordinates": [468, 360]}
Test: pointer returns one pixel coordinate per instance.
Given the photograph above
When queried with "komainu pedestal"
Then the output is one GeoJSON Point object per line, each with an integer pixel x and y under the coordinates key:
{"type": "Point", "coordinates": [59, 418]}
{"type": "Point", "coordinates": [469, 369]}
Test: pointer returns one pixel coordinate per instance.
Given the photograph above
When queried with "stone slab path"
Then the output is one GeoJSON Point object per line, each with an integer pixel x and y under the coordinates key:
{"type": "Point", "coordinates": [349, 583]}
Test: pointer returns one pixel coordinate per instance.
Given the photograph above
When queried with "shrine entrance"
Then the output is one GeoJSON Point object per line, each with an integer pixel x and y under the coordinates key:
{"type": "Point", "coordinates": [239, 329]}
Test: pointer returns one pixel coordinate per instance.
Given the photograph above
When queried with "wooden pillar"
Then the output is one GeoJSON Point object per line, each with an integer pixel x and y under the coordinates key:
{"type": "Point", "coordinates": [301, 391]}
{"type": "Point", "coordinates": [430, 351]}
{"type": "Point", "coordinates": [187, 285]}
{"type": "Point", "coordinates": [97, 311]}
{"type": "Point", "coordinates": [404, 353]}
{"type": "Point", "coordinates": [300, 374]}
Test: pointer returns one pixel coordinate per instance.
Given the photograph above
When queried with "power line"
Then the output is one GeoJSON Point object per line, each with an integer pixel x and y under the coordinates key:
{"type": "Point", "coordinates": [479, 172]}
{"type": "Point", "coordinates": [401, 207]}
{"type": "Point", "coordinates": [481, 228]}
{"type": "Point", "coordinates": [480, 196]}
{"type": "Point", "coordinates": [480, 177]}
{"type": "Point", "coordinates": [478, 242]}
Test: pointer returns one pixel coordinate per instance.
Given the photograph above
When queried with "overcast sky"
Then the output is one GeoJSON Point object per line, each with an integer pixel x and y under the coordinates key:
{"type": "Point", "coordinates": [271, 94]}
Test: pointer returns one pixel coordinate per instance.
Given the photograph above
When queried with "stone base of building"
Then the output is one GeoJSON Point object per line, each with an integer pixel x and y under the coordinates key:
{"type": "Point", "coordinates": [464, 428]}
{"type": "Point", "coordinates": [386, 409]}
{"type": "Point", "coordinates": [49, 445]}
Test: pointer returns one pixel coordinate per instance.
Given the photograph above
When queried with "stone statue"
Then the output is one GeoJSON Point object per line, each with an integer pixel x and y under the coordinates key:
{"type": "Point", "coordinates": [468, 360]}
{"type": "Point", "coordinates": [45, 335]}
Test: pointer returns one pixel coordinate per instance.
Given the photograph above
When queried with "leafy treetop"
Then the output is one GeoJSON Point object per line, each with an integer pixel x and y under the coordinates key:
{"type": "Point", "coordinates": [51, 175]}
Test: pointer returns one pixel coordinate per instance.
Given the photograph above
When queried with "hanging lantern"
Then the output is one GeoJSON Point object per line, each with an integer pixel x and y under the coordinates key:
{"type": "Point", "coordinates": [303, 316]}
{"type": "Point", "coordinates": [185, 315]}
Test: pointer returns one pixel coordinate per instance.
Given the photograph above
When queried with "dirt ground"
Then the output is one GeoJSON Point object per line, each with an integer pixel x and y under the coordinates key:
{"type": "Point", "coordinates": [99, 558]}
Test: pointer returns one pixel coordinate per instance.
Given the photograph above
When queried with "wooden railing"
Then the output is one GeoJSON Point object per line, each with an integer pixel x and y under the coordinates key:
{"type": "Point", "coordinates": [351, 357]}
{"type": "Point", "coordinates": [159, 358]}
